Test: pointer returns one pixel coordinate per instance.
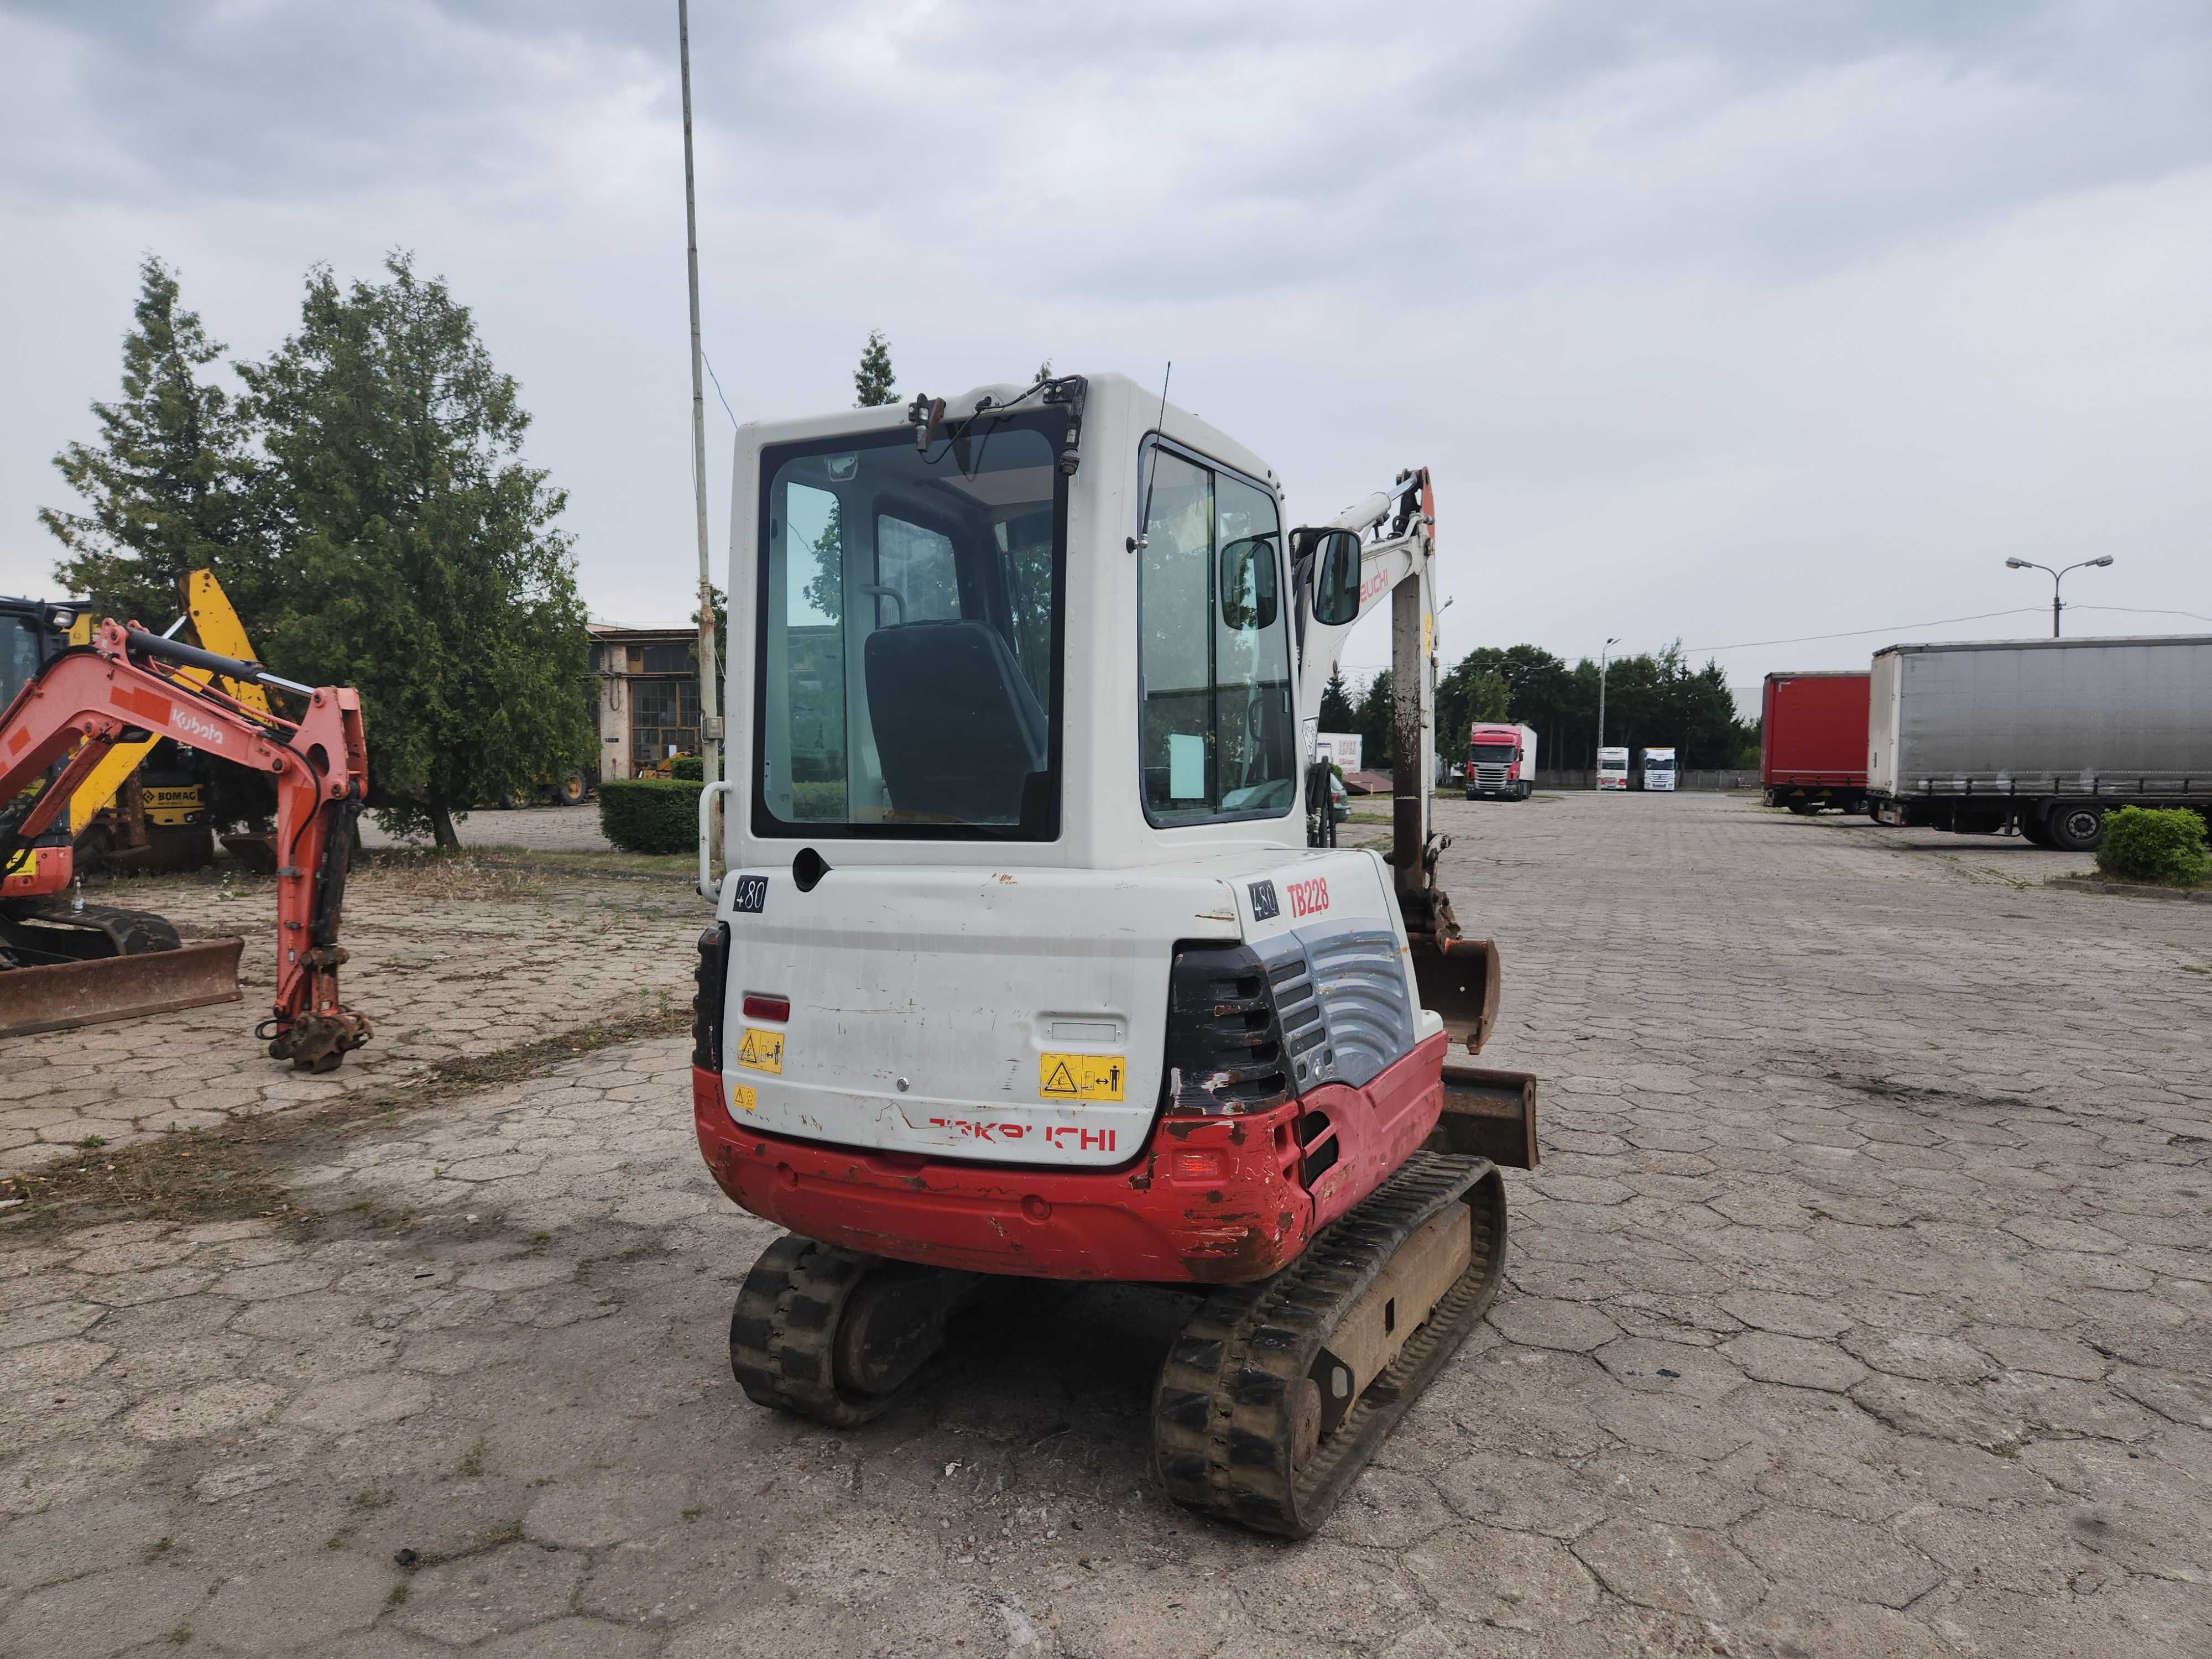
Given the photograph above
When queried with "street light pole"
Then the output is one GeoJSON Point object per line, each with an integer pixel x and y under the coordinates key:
{"type": "Point", "coordinates": [710, 702]}
{"type": "Point", "coordinates": [2056, 576]}
{"type": "Point", "coordinates": [1602, 663]}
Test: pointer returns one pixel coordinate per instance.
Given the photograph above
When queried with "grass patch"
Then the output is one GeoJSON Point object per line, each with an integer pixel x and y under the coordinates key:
{"type": "Point", "coordinates": [232, 1173]}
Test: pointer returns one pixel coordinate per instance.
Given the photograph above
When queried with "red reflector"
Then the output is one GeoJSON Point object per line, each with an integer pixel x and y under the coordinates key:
{"type": "Point", "coordinates": [761, 1007]}
{"type": "Point", "coordinates": [1197, 1166]}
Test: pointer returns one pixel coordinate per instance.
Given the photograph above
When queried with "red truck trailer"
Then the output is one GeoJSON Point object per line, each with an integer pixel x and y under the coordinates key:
{"type": "Point", "coordinates": [1812, 740]}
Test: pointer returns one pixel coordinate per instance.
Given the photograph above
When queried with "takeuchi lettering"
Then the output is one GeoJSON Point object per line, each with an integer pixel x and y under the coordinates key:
{"type": "Point", "coordinates": [1307, 898]}
{"type": "Point", "coordinates": [1060, 1138]}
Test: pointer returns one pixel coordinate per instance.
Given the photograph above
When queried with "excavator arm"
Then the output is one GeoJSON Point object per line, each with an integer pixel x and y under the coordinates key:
{"type": "Point", "coordinates": [127, 686]}
{"type": "Point", "coordinates": [1385, 548]}
{"type": "Point", "coordinates": [215, 627]}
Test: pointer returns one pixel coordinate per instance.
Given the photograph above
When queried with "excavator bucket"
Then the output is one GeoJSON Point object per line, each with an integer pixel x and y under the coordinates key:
{"type": "Point", "coordinates": [1458, 979]}
{"type": "Point", "coordinates": [61, 996]}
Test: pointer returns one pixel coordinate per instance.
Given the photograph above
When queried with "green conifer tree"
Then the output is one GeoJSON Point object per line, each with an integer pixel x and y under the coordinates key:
{"type": "Point", "coordinates": [420, 556]}
{"type": "Point", "coordinates": [168, 485]}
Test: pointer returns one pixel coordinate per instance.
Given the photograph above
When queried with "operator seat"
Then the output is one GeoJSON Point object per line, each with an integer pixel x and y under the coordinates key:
{"type": "Point", "coordinates": [958, 731]}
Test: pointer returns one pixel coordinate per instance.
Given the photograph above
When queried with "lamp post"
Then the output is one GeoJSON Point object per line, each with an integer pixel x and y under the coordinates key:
{"type": "Point", "coordinates": [1602, 663]}
{"type": "Point", "coordinates": [2055, 575]}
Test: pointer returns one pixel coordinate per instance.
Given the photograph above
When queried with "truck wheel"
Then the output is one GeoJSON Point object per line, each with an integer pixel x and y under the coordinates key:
{"type": "Point", "coordinates": [2033, 829]}
{"type": "Point", "coordinates": [2075, 827]}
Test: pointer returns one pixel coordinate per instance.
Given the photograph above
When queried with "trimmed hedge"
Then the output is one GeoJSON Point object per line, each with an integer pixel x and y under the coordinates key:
{"type": "Point", "coordinates": [2154, 844]}
{"type": "Point", "coordinates": [687, 768]}
{"type": "Point", "coordinates": [650, 815]}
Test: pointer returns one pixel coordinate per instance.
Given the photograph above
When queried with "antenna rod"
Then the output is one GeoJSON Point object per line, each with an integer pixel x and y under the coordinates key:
{"type": "Point", "coordinates": [710, 705]}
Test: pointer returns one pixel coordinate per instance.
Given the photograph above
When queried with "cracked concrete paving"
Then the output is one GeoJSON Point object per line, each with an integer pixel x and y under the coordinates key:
{"type": "Point", "coordinates": [1860, 1308]}
{"type": "Point", "coordinates": [445, 961]}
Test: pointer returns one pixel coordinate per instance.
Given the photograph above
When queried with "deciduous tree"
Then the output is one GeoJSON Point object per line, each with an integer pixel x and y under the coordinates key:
{"type": "Point", "coordinates": [874, 381]}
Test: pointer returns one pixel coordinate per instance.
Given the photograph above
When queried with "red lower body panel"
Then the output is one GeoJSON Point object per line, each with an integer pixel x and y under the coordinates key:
{"type": "Point", "coordinates": [1214, 1201]}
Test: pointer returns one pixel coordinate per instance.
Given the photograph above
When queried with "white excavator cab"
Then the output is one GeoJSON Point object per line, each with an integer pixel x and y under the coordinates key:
{"type": "Point", "coordinates": [1032, 960]}
{"type": "Point", "coordinates": [1036, 673]}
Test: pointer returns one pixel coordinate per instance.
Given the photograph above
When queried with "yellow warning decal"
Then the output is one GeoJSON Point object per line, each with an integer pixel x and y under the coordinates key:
{"type": "Point", "coordinates": [742, 1099]}
{"type": "Point", "coordinates": [761, 1051]}
{"type": "Point", "coordinates": [1081, 1077]}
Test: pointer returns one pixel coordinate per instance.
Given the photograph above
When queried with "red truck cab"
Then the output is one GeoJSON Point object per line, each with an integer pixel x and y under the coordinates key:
{"type": "Point", "coordinates": [1812, 740]}
{"type": "Point", "coordinates": [1501, 763]}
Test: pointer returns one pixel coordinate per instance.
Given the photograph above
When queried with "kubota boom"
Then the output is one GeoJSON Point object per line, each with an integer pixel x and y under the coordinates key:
{"type": "Point", "coordinates": [89, 699]}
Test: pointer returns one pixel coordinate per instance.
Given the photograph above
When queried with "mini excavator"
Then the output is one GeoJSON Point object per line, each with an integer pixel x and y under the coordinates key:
{"type": "Point", "coordinates": [1035, 957]}
{"type": "Point", "coordinates": [65, 963]}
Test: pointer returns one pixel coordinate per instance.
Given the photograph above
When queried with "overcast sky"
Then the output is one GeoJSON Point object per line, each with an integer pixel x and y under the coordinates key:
{"type": "Point", "coordinates": [1721, 321]}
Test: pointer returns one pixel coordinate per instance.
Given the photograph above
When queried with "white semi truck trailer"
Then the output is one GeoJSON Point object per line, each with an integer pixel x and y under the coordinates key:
{"type": "Point", "coordinates": [2041, 735]}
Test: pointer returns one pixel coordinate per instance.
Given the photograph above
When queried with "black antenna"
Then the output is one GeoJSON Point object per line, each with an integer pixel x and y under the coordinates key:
{"type": "Point", "coordinates": [1143, 538]}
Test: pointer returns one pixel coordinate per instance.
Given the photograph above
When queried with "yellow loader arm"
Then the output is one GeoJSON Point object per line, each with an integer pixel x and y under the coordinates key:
{"type": "Point", "coordinates": [214, 627]}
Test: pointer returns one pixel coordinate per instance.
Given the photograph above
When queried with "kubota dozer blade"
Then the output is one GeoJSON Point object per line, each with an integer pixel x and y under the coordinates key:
{"type": "Point", "coordinates": [60, 996]}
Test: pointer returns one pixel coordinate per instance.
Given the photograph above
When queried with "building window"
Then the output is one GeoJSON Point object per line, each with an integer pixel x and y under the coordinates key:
{"type": "Point", "coordinates": [664, 719]}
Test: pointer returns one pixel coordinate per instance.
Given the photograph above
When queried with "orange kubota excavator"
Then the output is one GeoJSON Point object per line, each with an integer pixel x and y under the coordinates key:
{"type": "Point", "coordinates": [125, 687]}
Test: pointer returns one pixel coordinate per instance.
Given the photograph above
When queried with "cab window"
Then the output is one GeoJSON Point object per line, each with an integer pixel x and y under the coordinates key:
{"type": "Point", "coordinates": [1213, 648]}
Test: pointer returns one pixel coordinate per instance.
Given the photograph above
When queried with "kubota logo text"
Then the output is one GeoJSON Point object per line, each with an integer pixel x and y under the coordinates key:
{"type": "Point", "coordinates": [191, 725]}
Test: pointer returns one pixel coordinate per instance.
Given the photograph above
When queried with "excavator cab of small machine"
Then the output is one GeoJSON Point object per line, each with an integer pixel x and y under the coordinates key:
{"type": "Point", "coordinates": [1026, 962]}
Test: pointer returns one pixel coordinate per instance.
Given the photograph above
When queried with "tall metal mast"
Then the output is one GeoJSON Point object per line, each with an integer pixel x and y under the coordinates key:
{"type": "Point", "coordinates": [710, 703]}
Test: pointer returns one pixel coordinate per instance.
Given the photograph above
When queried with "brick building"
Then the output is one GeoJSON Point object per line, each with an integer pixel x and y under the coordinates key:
{"type": "Point", "coordinates": [648, 693]}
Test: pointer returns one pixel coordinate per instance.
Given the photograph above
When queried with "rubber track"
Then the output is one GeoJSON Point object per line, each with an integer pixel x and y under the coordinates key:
{"type": "Point", "coordinates": [135, 933]}
{"type": "Point", "coordinates": [784, 1328]}
{"type": "Point", "coordinates": [1223, 1412]}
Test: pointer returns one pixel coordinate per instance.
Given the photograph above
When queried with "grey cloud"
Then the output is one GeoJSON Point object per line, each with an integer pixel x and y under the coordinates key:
{"type": "Point", "coordinates": [1632, 276]}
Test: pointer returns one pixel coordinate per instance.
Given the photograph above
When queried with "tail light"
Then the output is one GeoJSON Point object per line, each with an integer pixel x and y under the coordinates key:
{"type": "Point", "coordinates": [1225, 1047]}
{"type": "Point", "coordinates": [711, 977]}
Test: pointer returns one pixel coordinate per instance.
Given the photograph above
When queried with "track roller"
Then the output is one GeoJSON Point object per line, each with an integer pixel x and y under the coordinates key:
{"type": "Point", "coordinates": [836, 1336]}
{"type": "Point", "coordinates": [1276, 1395]}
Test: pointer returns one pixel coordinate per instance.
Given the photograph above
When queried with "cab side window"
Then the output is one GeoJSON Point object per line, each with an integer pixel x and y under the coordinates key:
{"type": "Point", "coordinates": [1213, 646]}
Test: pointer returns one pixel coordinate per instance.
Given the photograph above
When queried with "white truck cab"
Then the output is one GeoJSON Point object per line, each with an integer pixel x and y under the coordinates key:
{"type": "Point", "coordinates": [1658, 769]}
{"type": "Point", "coordinates": [1613, 768]}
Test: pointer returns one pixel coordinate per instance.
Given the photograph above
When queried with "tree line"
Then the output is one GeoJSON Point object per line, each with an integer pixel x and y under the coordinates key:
{"type": "Point", "coordinates": [1653, 699]}
{"type": "Point", "coordinates": [364, 503]}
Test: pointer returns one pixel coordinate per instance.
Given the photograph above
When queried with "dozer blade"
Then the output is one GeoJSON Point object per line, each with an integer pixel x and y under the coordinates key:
{"type": "Point", "coordinates": [61, 996]}
{"type": "Point", "coordinates": [1488, 1114]}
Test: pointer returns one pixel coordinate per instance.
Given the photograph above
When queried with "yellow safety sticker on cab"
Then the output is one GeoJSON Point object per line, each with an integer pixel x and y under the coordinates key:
{"type": "Point", "coordinates": [742, 1099]}
{"type": "Point", "coordinates": [761, 1051]}
{"type": "Point", "coordinates": [1081, 1077]}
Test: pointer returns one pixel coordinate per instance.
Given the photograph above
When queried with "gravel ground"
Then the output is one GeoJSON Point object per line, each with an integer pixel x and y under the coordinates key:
{"type": "Point", "coordinates": [1860, 1308]}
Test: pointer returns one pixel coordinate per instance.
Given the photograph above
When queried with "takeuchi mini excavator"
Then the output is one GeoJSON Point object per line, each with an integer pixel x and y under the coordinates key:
{"type": "Point", "coordinates": [1035, 957]}
{"type": "Point", "coordinates": [63, 963]}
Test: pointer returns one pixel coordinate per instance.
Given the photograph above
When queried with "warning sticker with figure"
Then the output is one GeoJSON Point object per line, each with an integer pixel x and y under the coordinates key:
{"type": "Point", "coordinates": [1081, 1077]}
{"type": "Point", "coordinates": [761, 1051]}
{"type": "Point", "coordinates": [742, 1099]}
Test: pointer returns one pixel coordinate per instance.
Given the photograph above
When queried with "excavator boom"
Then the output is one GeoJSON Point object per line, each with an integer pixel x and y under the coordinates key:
{"type": "Point", "coordinates": [125, 687]}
